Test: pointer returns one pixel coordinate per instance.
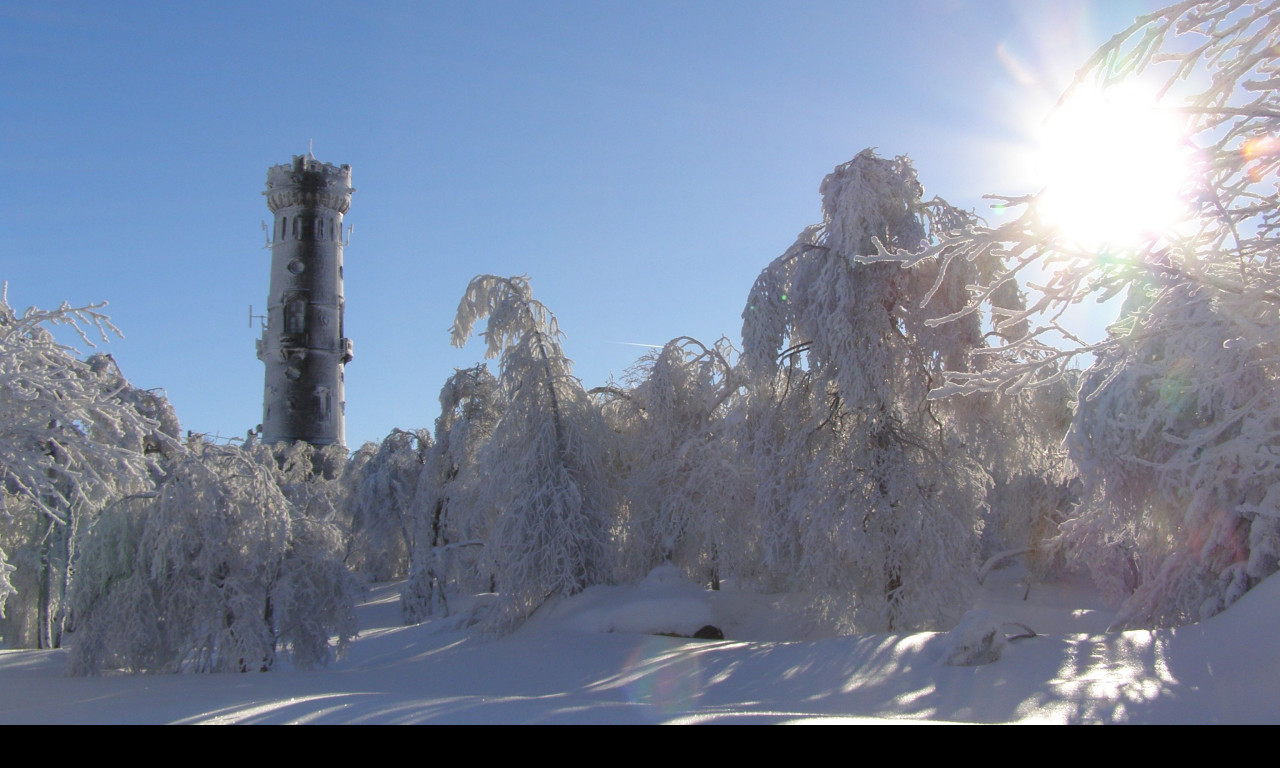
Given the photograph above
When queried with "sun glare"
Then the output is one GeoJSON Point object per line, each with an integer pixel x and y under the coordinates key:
{"type": "Point", "coordinates": [1115, 166]}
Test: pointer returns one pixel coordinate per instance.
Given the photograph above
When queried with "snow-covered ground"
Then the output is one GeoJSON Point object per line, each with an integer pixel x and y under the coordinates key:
{"type": "Point", "coordinates": [595, 658]}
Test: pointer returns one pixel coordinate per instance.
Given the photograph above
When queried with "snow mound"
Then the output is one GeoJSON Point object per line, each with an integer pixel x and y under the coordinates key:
{"type": "Point", "coordinates": [977, 639]}
{"type": "Point", "coordinates": [1256, 614]}
{"type": "Point", "coordinates": [667, 576]}
{"type": "Point", "coordinates": [664, 602]}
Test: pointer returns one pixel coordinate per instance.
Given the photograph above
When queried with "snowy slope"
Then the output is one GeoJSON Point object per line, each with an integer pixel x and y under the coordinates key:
{"type": "Point", "coordinates": [593, 659]}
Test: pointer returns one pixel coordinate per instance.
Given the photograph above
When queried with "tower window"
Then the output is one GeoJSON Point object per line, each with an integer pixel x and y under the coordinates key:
{"type": "Point", "coordinates": [295, 313]}
{"type": "Point", "coordinates": [325, 402]}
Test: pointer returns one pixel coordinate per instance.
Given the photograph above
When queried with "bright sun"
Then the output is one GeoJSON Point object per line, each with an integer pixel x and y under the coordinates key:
{"type": "Point", "coordinates": [1114, 166]}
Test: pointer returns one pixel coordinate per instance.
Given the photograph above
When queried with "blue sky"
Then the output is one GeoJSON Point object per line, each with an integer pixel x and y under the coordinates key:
{"type": "Point", "coordinates": [640, 161]}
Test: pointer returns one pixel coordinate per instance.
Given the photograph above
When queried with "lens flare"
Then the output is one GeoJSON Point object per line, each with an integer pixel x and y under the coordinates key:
{"type": "Point", "coordinates": [665, 681]}
{"type": "Point", "coordinates": [1261, 154]}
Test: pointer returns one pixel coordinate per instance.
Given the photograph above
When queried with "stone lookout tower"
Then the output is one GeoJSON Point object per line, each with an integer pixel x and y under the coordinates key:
{"type": "Point", "coordinates": [303, 344]}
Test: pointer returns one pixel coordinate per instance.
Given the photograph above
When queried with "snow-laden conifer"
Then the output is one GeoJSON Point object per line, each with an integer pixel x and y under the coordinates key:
{"type": "Point", "coordinates": [546, 465]}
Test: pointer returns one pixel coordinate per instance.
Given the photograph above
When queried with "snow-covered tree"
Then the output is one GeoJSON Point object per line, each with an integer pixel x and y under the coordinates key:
{"type": "Point", "coordinates": [546, 465]}
{"type": "Point", "coordinates": [687, 491]}
{"type": "Point", "coordinates": [1176, 432]}
{"type": "Point", "coordinates": [212, 572]}
{"type": "Point", "coordinates": [33, 578]}
{"type": "Point", "coordinates": [310, 478]}
{"type": "Point", "coordinates": [865, 495]}
{"type": "Point", "coordinates": [451, 525]}
{"type": "Point", "coordinates": [71, 438]}
{"type": "Point", "coordinates": [1019, 442]}
{"type": "Point", "coordinates": [1178, 437]}
{"type": "Point", "coordinates": [158, 431]}
{"type": "Point", "coordinates": [6, 589]}
{"type": "Point", "coordinates": [380, 504]}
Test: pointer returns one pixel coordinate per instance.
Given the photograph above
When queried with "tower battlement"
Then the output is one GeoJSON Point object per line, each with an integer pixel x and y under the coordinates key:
{"type": "Point", "coordinates": [308, 182]}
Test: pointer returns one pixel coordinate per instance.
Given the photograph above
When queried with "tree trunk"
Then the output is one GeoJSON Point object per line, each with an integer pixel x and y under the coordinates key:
{"type": "Point", "coordinates": [44, 629]}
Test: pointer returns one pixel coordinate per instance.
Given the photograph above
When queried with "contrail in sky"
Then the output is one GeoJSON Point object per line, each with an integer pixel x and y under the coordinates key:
{"type": "Point", "coordinates": [638, 344]}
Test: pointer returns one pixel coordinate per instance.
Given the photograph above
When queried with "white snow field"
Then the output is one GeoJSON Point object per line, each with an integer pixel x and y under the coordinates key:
{"type": "Point", "coordinates": [594, 658]}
